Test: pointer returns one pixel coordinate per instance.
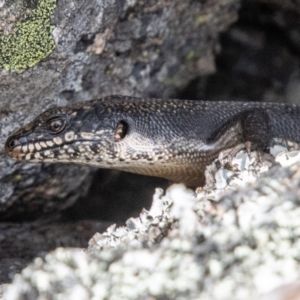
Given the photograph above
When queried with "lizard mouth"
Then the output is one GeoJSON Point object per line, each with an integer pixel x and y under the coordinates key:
{"type": "Point", "coordinates": [48, 151]}
{"type": "Point", "coordinates": [24, 150]}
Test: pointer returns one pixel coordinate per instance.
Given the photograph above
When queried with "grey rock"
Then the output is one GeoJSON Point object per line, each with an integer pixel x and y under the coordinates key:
{"type": "Point", "coordinates": [20, 243]}
{"type": "Point", "coordinates": [231, 244]}
{"type": "Point", "coordinates": [140, 48]}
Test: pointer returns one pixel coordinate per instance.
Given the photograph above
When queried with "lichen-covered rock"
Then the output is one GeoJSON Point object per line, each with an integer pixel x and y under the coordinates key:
{"type": "Point", "coordinates": [26, 37]}
{"type": "Point", "coordinates": [21, 243]}
{"type": "Point", "coordinates": [141, 48]}
{"type": "Point", "coordinates": [228, 244]}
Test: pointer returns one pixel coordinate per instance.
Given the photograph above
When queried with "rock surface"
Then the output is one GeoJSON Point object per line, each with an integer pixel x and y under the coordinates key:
{"type": "Point", "coordinates": [228, 244]}
{"type": "Point", "coordinates": [141, 48]}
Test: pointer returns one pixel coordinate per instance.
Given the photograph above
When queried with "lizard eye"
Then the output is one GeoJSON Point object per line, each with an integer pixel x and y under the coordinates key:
{"type": "Point", "coordinates": [56, 125]}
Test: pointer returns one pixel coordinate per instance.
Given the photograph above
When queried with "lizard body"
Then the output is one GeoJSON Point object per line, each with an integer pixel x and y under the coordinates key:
{"type": "Point", "coordinates": [173, 139]}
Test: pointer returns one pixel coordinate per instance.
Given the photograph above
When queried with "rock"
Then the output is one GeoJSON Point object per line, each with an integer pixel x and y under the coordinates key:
{"type": "Point", "coordinates": [148, 48]}
{"type": "Point", "coordinates": [229, 244]}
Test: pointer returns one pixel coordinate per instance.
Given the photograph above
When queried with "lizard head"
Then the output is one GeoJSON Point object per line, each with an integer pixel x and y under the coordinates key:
{"type": "Point", "coordinates": [66, 134]}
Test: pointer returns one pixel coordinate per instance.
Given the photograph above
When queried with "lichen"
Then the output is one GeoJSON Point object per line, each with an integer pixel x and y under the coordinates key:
{"type": "Point", "coordinates": [191, 55]}
{"type": "Point", "coordinates": [30, 41]}
{"type": "Point", "coordinates": [201, 19]}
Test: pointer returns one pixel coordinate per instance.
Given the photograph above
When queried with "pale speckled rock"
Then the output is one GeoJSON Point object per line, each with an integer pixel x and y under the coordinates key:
{"type": "Point", "coordinates": [20, 243]}
{"type": "Point", "coordinates": [233, 243]}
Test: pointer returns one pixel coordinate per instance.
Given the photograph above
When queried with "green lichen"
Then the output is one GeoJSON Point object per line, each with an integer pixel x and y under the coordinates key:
{"type": "Point", "coordinates": [191, 55]}
{"type": "Point", "coordinates": [200, 19]}
{"type": "Point", "coordinates": [17, 177]}
{"type": "Point", "coordinates": [30, 40]}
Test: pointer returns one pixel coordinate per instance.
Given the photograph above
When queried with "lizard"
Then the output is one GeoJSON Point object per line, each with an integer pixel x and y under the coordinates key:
{"type": "Point", "coordinates": [168, 138]}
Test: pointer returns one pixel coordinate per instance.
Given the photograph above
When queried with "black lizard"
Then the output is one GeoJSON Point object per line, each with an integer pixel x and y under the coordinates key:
{"type": "Point", "coordinates": [173, 139]}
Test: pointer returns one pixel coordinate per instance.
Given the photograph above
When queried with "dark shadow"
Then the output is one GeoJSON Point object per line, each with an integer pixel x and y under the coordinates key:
{"type": "Point", "coordinates": [116, 196]}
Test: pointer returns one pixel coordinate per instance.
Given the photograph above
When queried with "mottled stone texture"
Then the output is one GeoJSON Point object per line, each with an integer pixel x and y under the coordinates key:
{"type": "Point", "coordinates": [235, 244]}
{"type": "Point", "coordinates": [141, 48]}
{"type": "Point", "coordinates": [22, 242]}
